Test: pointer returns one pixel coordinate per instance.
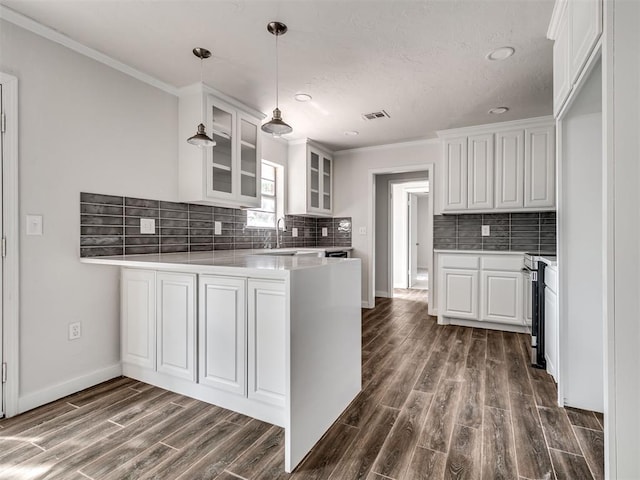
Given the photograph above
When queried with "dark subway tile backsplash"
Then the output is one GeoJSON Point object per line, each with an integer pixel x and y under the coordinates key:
{"type": "Point", "coordinates": [110, 225]}
{"type": "Point", "coordinates": [528, 231]}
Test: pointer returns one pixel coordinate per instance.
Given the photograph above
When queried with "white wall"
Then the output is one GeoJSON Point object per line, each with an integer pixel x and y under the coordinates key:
{"type": "Point", "coordinates": [622, 208]}
{"type": "Point", "coordinates": [351, 189]}
{"type": "Point", "coordinates": [83, 127]}
{"type": "Point", "coordinates": [425, 241]}
{"type": "Point", "coordinates": [581, 250]}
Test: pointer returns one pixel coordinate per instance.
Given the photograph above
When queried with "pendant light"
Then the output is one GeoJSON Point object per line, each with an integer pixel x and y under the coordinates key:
{"type": "Point", "coordinates": [276, 126]}
{"type": "Point", "coordinates": [201, 139]}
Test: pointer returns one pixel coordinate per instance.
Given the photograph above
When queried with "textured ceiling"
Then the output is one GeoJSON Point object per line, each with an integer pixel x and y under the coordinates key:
{"type": "Point", "coordinates": [422, 61]}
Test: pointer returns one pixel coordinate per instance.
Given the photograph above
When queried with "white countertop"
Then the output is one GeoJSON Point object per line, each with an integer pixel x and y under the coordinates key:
{"type": "Point", "coordinates": [251, 259]}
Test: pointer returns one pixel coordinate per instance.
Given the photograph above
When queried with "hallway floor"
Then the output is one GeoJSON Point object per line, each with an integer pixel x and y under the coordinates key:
{"type": "Point", "coordinates": [437, 402]}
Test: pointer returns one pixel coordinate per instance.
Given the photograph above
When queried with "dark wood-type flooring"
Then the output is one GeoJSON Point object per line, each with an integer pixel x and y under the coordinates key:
{"type": "Point", "coordinates": [437, 402]}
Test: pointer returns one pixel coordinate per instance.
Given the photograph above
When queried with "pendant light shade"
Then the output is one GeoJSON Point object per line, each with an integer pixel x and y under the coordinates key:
{"type": "Point", "coordinates": [201, 139]}
{"type": "Point", "coordinates": [276, 126]}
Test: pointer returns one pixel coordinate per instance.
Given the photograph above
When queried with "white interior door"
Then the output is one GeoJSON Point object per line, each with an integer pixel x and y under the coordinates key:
{"type": "Point", "coordinates": [412, 236]}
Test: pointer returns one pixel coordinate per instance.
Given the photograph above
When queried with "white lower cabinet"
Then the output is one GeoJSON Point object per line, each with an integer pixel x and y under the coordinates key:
{"type": "Point", "coordinates": [176, 324]}
{"type": "Point", "coordinates": [501, 297]}
{"type": "Point", "coordinates": [138, 317]}
{"type": "Point", "coordinates": [483, 288]}
{"type": "Point", "coordinates": [266, 341]}
{"type": "Point", "coordinates": [237, 326]}
{"type": "Point", "coordinates": [460, 293]}
{"type": "Point", "coordinates": [222, 333]}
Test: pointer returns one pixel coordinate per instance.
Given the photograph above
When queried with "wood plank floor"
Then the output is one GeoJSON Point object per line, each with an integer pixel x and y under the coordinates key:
{"type": "Point", "coordinates": [438, 402]}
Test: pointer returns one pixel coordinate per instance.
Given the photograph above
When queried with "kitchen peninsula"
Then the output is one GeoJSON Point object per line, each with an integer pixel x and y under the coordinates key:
{"type": "Point", "coordinates": [269, 334]}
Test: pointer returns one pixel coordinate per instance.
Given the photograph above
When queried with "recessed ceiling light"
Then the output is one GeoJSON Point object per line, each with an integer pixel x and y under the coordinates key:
{"type": "Point", "coordinates": [302, 97]}
{"type": "Point", "coordinates": [499, 110]}
{"type": "Point", "coordinates": [351, 133]}
{"type": "Point", "coordinates": [501, 53]}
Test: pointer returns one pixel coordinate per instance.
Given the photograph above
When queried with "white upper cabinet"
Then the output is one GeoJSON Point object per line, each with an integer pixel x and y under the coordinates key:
{"type": "Point", "coordinates": [227, 174]}
{"type": "Point", "coordinates": [455, 173]}
{"type": "Point", "coordinates": [506, 166]}
{"type": "Point", "coordinates": [509, 186]}
{"type": "Point", "coordinates": [480, 172]}
{"type": "Point", "coordinates": [576, 28]}
{"type": "Point", "coordinates": [310, 184]}
{"type": "Point", "coordinates": [585, 27]}
{"type": "Point", "coordinates": [561, 74]}
{"type": "Point", "coordinates": [539, 167]}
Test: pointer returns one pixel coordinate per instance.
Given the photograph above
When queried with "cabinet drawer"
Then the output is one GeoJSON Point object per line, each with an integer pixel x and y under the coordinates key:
{"type": "Point", "coordinates": [551, 279]}
{"type": "Point", "coordinates": [502, 262]}
{"type": "Point", "coordinates": [459, 261]}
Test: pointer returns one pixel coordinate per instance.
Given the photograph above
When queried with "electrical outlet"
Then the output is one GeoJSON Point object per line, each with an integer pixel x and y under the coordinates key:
{"type": "Point", "coordinates": [217, 228]}
{"type": "Point", "coordinates": [294, 232]}
{"type": "Point", "coordinates": [486, 230]}
{"type": "Point", "coordinates": [362, 230]}
{"type": "Point", "coordinates": [148, 226]}
{"type": "Point", "coordinates": [325, 232]}
{"type": "Point", "coordinates": [75, 331]}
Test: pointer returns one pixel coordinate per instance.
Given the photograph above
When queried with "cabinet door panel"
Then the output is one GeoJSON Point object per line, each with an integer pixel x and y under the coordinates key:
{"type": "Point", "coordinates": [561, 65]}
{"type": "Point", "coordinates": [250, 160]}
{"type": "Point", "coordinates": [460, 293]}
{"type": "Point", "coordinates": [176, 319]}
{"type": "Point", "coordinates": [502, 297]}
{"type": "Point", "coordinates": [267, 341]}
{"type": "Point", "coordinates": [551, 332]}
{"type": "Point", "coordinates": [221, 161]}
{"type": "Point", "coordinates": [585, 27]}
{"type": "Point", "coordinates": [138, 317]}
{"type": "Point", "coordinates": [539, 163]}
{"type": "Point", "coordinates": [480, 172]}
{"type": "Point", "coordinates": [455, 174]}
{"type": "Point", "coordinates": [509, 185]}
{"type": "Point", "coordinates": [327, 186]}
{"type": "Point", "coordinates": [222, 333]}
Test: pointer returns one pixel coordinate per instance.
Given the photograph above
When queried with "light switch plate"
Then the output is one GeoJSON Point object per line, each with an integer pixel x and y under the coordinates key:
{"type": "Point", "coordinates": [34, 224]}
{"type": "Point", "coordinates": [362, 230]}
{"type": "Point", "coordinates": [217, 228]}
{"type": "Point", "coordinates": [325, 232]}
{"type": "Point", "coordinates": [486, 230]}
{"type": "Point", "coordinates": [294, 232]}
{"type": "Point", "coordinates": [148, 226]}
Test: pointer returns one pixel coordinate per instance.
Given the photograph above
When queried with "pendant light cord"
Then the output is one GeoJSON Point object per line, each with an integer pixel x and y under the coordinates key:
{"type": "Point", "coordinates": [277, 62]}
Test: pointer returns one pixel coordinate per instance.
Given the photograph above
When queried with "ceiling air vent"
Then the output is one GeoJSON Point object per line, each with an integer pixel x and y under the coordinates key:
{"type": "Point", "coordinates": [375, 115]}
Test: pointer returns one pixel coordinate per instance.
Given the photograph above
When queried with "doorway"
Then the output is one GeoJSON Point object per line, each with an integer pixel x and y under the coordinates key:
{"type": "Point", "coordinates": [409, 243]}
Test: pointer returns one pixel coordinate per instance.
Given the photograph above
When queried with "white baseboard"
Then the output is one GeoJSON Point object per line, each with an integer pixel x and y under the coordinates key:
{"type": "Point", "coordinates": [55, 392]}
{"type": "Point", "coordinates": [380, 293]}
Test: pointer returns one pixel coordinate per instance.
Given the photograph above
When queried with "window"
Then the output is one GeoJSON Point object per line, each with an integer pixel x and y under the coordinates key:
{"type": "Point", "coordinates": [265, 216]}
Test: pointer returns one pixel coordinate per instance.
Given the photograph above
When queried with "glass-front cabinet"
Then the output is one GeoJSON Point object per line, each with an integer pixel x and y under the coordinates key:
{"type": "Point", "coordinates": [229, 173]}
{"type": "Point", "coordinates": [310, 180]}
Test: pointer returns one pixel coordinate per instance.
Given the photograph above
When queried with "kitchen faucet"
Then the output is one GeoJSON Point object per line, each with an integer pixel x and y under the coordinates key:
{"type": "Point", "coordinates": [284, 229]}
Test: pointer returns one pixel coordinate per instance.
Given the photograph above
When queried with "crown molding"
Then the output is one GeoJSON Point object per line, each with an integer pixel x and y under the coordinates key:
{"type": "Point", "coordinates": [500, 126]}
{"type": "Point", "coordinates": [390, 146]}
{"type": "Point", "coordinates": [554, 24]}
{"type": "Point", "coordinates": [32, 26]}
